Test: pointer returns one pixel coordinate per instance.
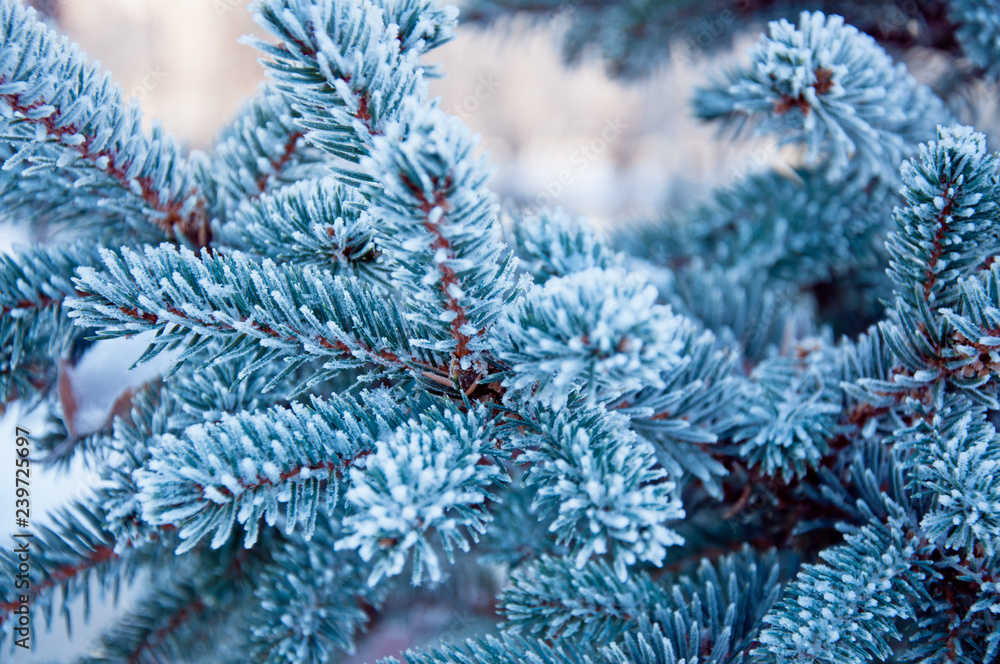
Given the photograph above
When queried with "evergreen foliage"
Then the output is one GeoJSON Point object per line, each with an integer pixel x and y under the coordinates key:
{"type": "Point", "coordinates": [828, 86]}
{"type": "Point", "coordinates": [616, 502]}
{"type": "Point", "coordinates": [598, 333]}
{"type": "Point", "coordinates": [758, 429]}
{"type": "Point", "coordinates": [34, 326]}
{"type": "Point", "coordinates": [848, 609]}
{"type": "Point", "coordinates": [79, 152]}
{"type": "Point", "coordinates": [979, 32]}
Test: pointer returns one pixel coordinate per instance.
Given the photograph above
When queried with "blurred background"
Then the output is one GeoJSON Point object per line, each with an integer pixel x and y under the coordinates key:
{"type": "Point", "coordinates": [623, 144]}
{"type": "Point", "coordinates": [609, 150]}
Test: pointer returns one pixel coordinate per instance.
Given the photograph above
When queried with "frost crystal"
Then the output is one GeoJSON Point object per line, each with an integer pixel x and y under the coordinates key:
{"type": "Point", "coordinates": [830, 86]}
{"type": "Point", "coordinates": [599, 332]}
{"type": "Point", "coordinates": [419, 481]}
{"type": "Point", "coordinates": [552, 244]}
{"type": "Point", "coordinates": [603, 484]}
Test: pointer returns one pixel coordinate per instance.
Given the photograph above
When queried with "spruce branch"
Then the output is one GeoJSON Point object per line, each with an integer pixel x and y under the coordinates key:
{"type": "Point", "coordinates": [944, 236]}
{"type": "Point", "coordinates": [314, 222]}
{"type": "Point", "coordinates": [550, 243]}
{"type": "Point", "coordinates": [33, 324]}
{"type": "Point", "coordinates": [847, 609]}
{"type": "Point", "coordinates": [718, 609]}
{"type": "Point", "coordinates": [429, 478]}
{"type": "Point", "coordinates": [257, 309]}
{"type": "Point", "coordinates": [978, 31]}
{"type": "Point", "coordinates": [954, 463]}
{"type": "Point", "coordinates": [347, 67]}
{"type": "Point", "coordinates": [500, 650]}
{"type": "Point", "coordinates": [168, 407]}
{"type": "Point", "coordinates": [596, 332]}
{"type": "Point", "coordinates": [601, 483]}
{"type": "Point", "coordinates": [439, 228]}
{"type": "Point", "coordinates": [204, 588]}
{"type": "Point", "coordinates": [73, 126]}
{"type": "Point", "coordinates": [689, 413]}
{"type": "Point", "coordinates": [828, 86]}
{"type": "Point", "coordinates": [791, 410]}
{"type": "Point", "coordinates": [260, 151]}
{"type": "Point", "coordinates": [64, 559]}
{"type": "Point", "coordinates": [309, 602]}
{"type": "Point", "coordinates": [943, 233]}
{"type": "Point", "coordinates": [371, 110]}
{"type": "Point", "coordinates": [286, 462]}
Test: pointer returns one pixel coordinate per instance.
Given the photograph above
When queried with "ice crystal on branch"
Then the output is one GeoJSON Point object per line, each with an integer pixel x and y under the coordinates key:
{"type": "Point", "coordinates": [597, 332]}
{"type": "Point", "coordinates": [602, 485]}
{"type": "Point", "coordinates": [247, 466]}
{"type": "Point", "coordinates": [262, 150]}
{"type": "Point", "coordinates": [33, 322]}
{"type": "Point", "coordinates": [957, 465]}
{"type": "Point", "coordinates": [944, 231]}
{"type": "Point", "coordinates": [847, 609]}
{"type": "Point", "coordinates": [428, 478]}
{"type": "Point", "coordinates": [83, 143]}
{"type": "Point", "coordinates": [317, 222]}
{"type": "Point", "coordinates": [827, 85]}
{"type": "Point", "coordinates": [342, 66]}
{"type": "Point", "coordinates": [264, 310]}
{"type": "Point", "coordinates": [790, 419]}
{"type": "Point", "coordinates": [308, 603]}
{"type": "Point", "coordinates": [550, 243]}
{"type": "Point", "coordinates": [439, 224]}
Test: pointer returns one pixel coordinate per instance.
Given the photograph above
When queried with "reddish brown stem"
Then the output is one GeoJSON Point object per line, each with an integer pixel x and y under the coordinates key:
{"type": "Point", "coordinates": [383, 356]}
{"type": "Point", "coordinates": [194, 225]}
{"type": "Point", "coordinates": [65, 573]}
{"type": "Point", "coordinates": [336, 466]}
{"type": "Point", "coordinates": [930, 276]}
{"type": "Point", "coordinates": [279, 162]}
{"type": "Point", "coordinates": [186, 613]}
{"type": "Point", "coordinates": [448, 276]}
